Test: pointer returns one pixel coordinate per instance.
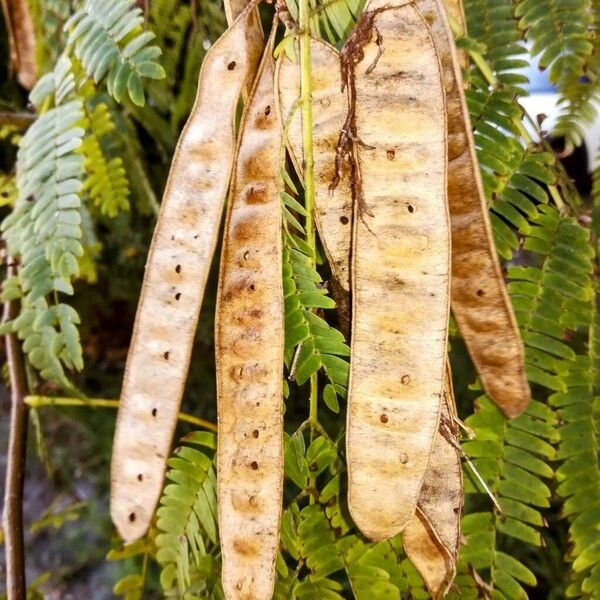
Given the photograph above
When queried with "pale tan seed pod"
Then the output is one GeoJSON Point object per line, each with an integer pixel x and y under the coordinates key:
{"type": "Point", "coordinates": [486, 321]}
{"type": "Point", "coordinates": [400, 268]}
{"type": "Point", "coordinates": [254, 36]}
{"type": "Point", "coordinates": [480, 301]}
{"type": "Point", "coordinates": [333, 207]}
{"type": "Point", "coordinates": [432, 537]}
{"type": "Point", "coordinates": [178, 263]}
{"type": "Point", "coordinates": [21, 39]}
{"type": "Point", "coordinates": [428, 554]}
{"type": "Point", "coordinates": [249, 337]}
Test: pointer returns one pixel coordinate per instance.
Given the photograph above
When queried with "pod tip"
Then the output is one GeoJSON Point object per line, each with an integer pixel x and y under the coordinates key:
{"type": "Point", "coordinates": [131, 520]}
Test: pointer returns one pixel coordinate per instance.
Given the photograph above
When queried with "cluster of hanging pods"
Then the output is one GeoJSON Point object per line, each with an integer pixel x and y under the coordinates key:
{"type": "Point", "coordinates": [403, 221]}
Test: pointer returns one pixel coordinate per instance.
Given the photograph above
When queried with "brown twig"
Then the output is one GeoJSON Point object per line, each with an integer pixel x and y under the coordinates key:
{"type": "Point", "coordinates": [18, 119]}
{"type": "Point", "coordinates": [21, 38]}
{"type": "Point", "coordinates": [12, 518]}
{"type": "Point", "coordinates": [351, 54]}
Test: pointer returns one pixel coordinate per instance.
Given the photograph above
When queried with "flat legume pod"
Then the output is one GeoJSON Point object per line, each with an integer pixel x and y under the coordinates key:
{"type": "Point", "coordinates": [178, 262]}
{"type": "Point", "coordinates": [254, 36]}
{"type": "Point", "coordinates": [432, 537]}
{"type": "Point", "coordinates": [480, 301]}
{"type": "Point", "coordinates": [333, 207]}
{"type": "Point", "coordinates": [249, 338]}
{"type": "Point", "coordinates": [400, 270]}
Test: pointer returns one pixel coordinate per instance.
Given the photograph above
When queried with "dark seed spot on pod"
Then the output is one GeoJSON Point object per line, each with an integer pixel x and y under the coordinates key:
{"type": "Point", "coordinates": [166, 354]}
{"type": "Point", "coordinates": [246, 254]}
{"type": "Point", "coordinates": [154, 412]}
{"type": "Point", "coordinates": [267, 111]}
{"type": "Point", "coordinates": [383, 418]}
{"type": "Point", "coordinates": [480, 293]}
{"type": "Point", "coordinates": [177, 295]}
{"type": "Point", "coordinates": [254, 465]}
{"type": "Point", "coordinates": [344, 220]}
{"type": "Point", "coordinates": [178, 269]}
{"type": "Point", "coordinates": [238, 585]}
{"type": "Point", "coordinates": [132, 517]}
{"type": "Point", "coordinates": [140, 477]}
{"type": "Point", "coordinates": [258, 404]}
{"type": "Point", "coordinates": [411, 209]}
{"type": "Point", "coordinates": [391, 154]}
{"type": "Point", "coordinates": [252, 287]}
{"type": "Point", "coordinates": [255, 433]}
{"type": "Point", "coordinates": [30, 198]}
{"type": "Point", "coordinates": [172, 238]}
{"type": "Point", "coordinates": [196, 236]}
{"type": "Point", "coordinates": [231, 65]}
{"type": "Point", "coordinates": [404, 458]}
{"type": "Point", "coordinates": [405, 379]}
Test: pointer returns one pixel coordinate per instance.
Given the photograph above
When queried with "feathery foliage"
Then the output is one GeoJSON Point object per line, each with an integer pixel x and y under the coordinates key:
{"type": "Point", "coordinates": [108, 39]}
{"type": "Point", "coordinates": [512, 457]}
{"type": "Point", "coordinates": [578, 408]}
{"type": "Point", "coordinates": [560, 34]}
{"type": "Point", "coordinates": [61, 161]}
{"type": "Point", "coordinates": [310, 342]}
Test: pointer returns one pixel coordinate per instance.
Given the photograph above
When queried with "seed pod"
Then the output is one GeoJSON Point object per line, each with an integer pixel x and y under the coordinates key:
{"type": "Point", "coordinates": [480, 301]}
{"type": "Point", "coordinates": [474, 256]}
{"type": "Point", "coordinates": [400, 265]}
{"type": "Point", "coordinates": [178, 263]}
{"type": "Point", "coordinates": [432, 537]}
{"type": "Point", "coordinates": [249, 339]}
{"type": "Point", "coordinates": [333, 207]}
{"type": "Point", "coordinates": [254, 36]}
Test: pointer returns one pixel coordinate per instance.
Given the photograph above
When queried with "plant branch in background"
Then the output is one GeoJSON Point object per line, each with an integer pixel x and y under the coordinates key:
{"type": "Point", "coordinates": [42, 401]}
{"type": "Point", "coordinates": [21, 39]}
{"type": "Point", "coordinates": [22, 120]}
{"type": "Point", "coordinates": [12, 519]}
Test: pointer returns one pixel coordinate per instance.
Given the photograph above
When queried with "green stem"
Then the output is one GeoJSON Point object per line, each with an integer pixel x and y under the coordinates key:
{"type": "Point", "coordinates": [314, 403]}
{"type": "Point", "coordinates": [41, 401]}
{"type": "Point", "coordinates": [309, 163]}
{"type": "Point", "coordinates": [307, 122]}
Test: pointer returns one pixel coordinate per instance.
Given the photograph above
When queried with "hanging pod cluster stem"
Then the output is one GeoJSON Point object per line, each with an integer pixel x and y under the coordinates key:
{"type": "Point", "coordinates": [401, 215]}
